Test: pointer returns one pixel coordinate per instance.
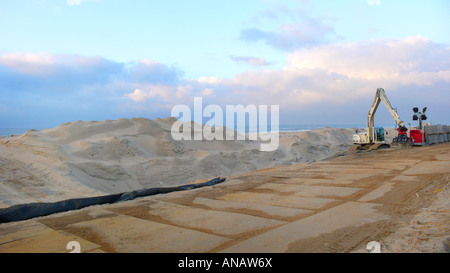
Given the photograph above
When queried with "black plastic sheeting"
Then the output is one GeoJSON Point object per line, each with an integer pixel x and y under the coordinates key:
{"type": "Point", "coordinates": [28, 211]}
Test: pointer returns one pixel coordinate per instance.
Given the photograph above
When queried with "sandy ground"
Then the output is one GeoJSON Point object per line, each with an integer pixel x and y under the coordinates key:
{"type": "Point", "coordinates": [83, 159]}
{"type": "Point", "coordinates": [396, 197]}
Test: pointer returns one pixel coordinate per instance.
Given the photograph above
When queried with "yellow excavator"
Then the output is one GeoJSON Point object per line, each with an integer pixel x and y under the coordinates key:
{"type": "Point", "coordinates": [375, 137]}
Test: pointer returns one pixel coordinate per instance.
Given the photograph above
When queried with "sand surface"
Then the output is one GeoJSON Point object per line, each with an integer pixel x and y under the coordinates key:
{"type": "Point", "coordinates": [398, 198]}
{"type": "Point", "coordinates": [83, 159]}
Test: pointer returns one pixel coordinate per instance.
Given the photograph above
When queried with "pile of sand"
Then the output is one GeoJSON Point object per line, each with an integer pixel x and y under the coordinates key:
{"type": "Point", "coordinates": [93, 158]}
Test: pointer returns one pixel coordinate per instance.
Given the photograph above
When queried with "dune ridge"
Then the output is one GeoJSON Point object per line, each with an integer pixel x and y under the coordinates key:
{"type": "Point", "coordinates": [91, 158]}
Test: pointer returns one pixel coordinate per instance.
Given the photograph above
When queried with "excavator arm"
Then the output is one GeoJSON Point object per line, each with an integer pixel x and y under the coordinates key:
{"type": "Point", "coordinates": [374, 138]}
{"type": "Point", "coordinates": [380, 96]}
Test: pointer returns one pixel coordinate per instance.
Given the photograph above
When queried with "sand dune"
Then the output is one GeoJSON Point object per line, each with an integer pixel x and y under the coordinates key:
{"type": "Point", "coordinates": [92, 158]}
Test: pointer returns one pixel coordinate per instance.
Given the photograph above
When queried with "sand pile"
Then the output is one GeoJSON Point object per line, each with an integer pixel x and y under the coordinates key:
{"type": "Point", "coordinates": [82, 159]}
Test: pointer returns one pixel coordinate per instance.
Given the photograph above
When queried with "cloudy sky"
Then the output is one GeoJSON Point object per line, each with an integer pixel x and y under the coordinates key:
{"type": "Point", "coordinates": [321, 61]}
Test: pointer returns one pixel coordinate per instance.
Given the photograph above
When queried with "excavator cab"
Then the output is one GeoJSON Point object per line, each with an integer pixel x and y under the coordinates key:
{"type": "Point", "coordinates": [379, 131]}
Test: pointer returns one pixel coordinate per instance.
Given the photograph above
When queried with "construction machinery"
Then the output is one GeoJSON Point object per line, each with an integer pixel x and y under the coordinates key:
{"type": "Point", "coordinates": [375, 137]}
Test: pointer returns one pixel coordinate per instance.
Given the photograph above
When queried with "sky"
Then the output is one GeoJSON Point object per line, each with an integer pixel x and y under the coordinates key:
{"type": "Point", "coordinates": [321, 61]}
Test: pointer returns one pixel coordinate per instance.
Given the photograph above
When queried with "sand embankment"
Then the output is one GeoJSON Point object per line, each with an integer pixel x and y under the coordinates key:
{"type": "Point", "coordinates": [82, 159]}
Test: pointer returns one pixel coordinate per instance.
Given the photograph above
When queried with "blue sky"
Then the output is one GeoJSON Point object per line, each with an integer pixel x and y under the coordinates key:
{"type": "Point", "coordinates": [320, 60]}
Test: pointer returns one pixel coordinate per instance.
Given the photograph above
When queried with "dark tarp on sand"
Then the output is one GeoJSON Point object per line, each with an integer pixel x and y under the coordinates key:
{"type": "Point", "coordinates": [28, 211]}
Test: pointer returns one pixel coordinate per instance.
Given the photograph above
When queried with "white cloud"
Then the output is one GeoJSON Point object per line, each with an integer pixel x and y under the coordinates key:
{"type": "Point", "coordinates": [30, 58]}
{"type": "Point", "coordinates": [209, 80]}
{"type": "Point", "coordinates": [253, 61]}
{"type": "Point", "coordinates": [183, 91]}
{"type": "Point", "coordinates": [374, 2]}
{"type": "Point", "coordinates": [207, 92]}
{"type": "Point", "coordinates": [162, 91]}
{"type": "Point", "coordinates": [138, 95]}
{"type": "Point", "coordinates": [374, 59]}
{"type": "Point", "coordinates": [341, 73]}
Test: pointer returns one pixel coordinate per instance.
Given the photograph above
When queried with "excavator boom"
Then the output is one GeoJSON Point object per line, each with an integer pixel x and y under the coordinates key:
{"type": "Point", "coordinates": [380, 96]}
